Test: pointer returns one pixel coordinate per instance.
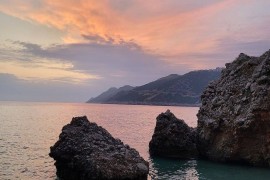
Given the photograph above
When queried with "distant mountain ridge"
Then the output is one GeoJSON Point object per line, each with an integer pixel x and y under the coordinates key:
{"type": "Point", "coordinates": [170, 90]}
{"type": "Point", "coordinates": [105, 96]}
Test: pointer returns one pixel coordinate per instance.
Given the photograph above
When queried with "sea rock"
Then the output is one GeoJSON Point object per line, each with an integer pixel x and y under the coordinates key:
{"type": "Point", "coordinates": [173, 138]}
{"type": "Point", "coordinates": [234, 119]}
{"type": "Point", "coordinates": [87, 151]}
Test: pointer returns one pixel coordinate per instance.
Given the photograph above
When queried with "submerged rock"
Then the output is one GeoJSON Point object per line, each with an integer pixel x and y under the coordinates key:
{"type": "Point", "coordinates": [86, 151]}
{"type": "Point", "coordinates": [173, 138]}
{"type": "Point", "coordinates": [234, 119]}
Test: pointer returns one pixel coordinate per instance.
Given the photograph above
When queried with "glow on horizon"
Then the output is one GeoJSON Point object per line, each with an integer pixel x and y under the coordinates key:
{"type": "Point", "coordinates": [42, 70]}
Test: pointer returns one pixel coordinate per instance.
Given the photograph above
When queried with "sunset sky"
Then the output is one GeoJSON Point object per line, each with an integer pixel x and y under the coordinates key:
{"type": "Point", "coordinates": [71, 50]}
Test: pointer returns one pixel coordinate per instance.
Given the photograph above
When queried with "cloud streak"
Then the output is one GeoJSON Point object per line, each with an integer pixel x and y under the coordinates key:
{"type": "Point", "coordinates": [168, 28]}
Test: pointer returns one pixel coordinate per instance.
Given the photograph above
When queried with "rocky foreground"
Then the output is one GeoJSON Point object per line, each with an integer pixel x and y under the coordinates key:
{"type": "Point", "coordinates": [173, 138]}
{"type": "Point", "coordinates": [234, 119]}
{"type": "Point", "coordinates": [87, 151]}
{"type": "Point", "coordinates": [233, 126]}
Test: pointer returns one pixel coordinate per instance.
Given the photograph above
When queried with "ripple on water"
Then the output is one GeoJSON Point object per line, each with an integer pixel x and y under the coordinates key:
{"type": "Point", "coordinates": [29, 129]}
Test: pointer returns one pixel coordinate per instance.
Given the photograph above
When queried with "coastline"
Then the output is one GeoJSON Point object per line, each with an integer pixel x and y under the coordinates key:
{"type": "Point", "coordinates": [148, 104]}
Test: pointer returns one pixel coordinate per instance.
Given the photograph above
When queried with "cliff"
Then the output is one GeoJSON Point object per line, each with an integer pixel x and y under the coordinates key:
{"type": "Point", "coordinates": [234, 119]}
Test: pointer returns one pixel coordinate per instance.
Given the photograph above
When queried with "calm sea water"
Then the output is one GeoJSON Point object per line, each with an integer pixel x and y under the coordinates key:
{"type": "Point", "coordinates": [27, 130]}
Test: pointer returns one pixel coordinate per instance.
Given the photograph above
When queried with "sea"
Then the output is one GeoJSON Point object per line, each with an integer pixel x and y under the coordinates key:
{"type": "Point", "coordinates": [28, 129]}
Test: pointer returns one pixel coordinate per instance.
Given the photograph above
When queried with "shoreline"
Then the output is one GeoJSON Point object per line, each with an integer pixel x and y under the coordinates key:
{"type": "Point", "coordinates": [149, 104]}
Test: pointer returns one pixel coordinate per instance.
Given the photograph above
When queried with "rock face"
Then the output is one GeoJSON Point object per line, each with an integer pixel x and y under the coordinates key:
{"type": "Point", "coordinates": [173, 138]}
{"type": "Point", "coordinates": [234, 119]}
{"type": "Point", "coordinates": [86, 151]}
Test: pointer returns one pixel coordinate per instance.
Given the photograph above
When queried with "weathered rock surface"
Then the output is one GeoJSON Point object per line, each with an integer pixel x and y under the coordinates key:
{"type": "Point", "coordinates": [234, 119]}
{"type": "Point", "coordinates": [173, 138]}
{"type": "Point", "coordinates": [86, 151]}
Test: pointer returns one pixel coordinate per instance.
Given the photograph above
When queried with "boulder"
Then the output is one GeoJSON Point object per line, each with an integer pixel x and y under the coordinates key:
{"type": "Point", "coordinates": [87, 151]}
{"type": "Point", "coordinates": [173, 138]}
{"type": "Point", "coordinates": [234, 119]}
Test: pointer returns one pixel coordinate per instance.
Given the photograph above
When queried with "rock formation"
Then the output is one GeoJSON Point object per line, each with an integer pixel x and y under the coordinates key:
{"type": "Point", "coordinates": [234, 119]}
{"type": "Point", "coordinates": [86, 151]}
{"type": "Point", "coordinates": [173, 138]}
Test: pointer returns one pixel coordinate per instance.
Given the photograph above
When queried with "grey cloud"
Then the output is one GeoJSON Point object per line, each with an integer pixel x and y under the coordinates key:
{"type": "Point", "coordinates": [29, 46]}
{"type": "Point", "coordinates": [126, 59]}
{"type": "Point", "coordinates": [93, 38]}
{"type": "Point", "coordinates": [97, 40]}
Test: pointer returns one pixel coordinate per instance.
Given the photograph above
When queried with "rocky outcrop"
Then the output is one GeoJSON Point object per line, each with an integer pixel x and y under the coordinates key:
{"type": "Point", "coordinates": [234, 119]}
{"type": "Point", "coordinates": [173, 138]}
{"type": "Point", "coordinates": [86, 151]}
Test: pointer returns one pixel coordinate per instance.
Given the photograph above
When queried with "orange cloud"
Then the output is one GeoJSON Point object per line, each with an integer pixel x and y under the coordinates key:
{"type": "Point", "coordinates": [157, 30]}
{"type": "Point", "coordinates": [162, 27]}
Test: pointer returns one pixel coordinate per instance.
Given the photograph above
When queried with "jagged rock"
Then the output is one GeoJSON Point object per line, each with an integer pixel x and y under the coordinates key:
{"type": "Point", "coordinates": [86, 151]}
{"type": "Point", "coordinates": [234, 119]}
{"type": "Point", "coordinates": [173, 138]}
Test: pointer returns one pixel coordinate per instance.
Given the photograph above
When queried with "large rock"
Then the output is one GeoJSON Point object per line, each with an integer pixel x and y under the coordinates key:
{"type": "Point", "coordinates": [234, 119]}
{"type": "Point", "coordinates": [173, 138]}
{"type": "Point", "coordinates": [86, 151]}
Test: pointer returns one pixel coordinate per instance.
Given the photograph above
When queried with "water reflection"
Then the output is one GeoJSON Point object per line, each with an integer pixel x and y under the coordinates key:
{"type": "Point", "coordinates": [161, 168]}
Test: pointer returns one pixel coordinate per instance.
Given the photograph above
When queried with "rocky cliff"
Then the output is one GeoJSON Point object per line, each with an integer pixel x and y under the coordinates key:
{"type": "Point", "coordinates": [234, 119]}
{"type": "Point", "coordinates": [86, 151]}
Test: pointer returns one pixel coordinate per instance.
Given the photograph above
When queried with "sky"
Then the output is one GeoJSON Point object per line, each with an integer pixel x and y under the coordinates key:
{"type": "Point", "coordinates": [72, 50]}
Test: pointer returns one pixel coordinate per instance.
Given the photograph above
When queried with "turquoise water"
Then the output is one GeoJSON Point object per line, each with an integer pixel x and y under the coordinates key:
{"type": "Point", "coordinates": [27, 130]}
{"type": "Point", "coordinates": [204, 170]}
